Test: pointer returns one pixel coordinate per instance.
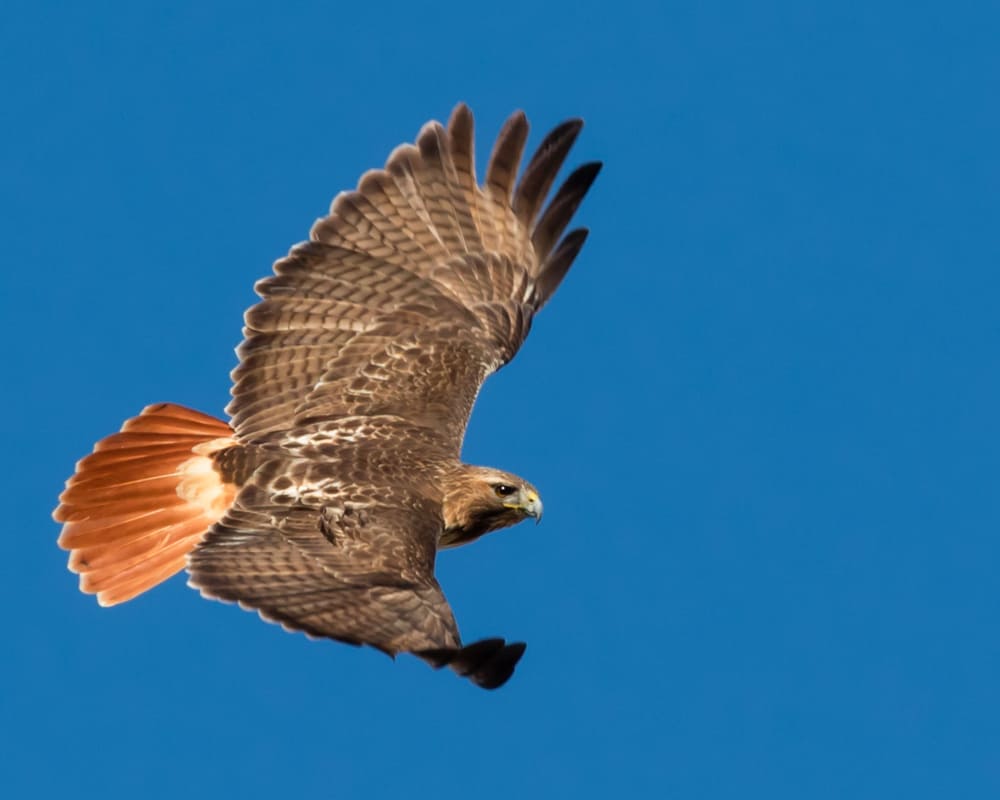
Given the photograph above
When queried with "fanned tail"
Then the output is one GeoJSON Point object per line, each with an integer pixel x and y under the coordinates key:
{"type": "Point", "coordinates": [139, 503]}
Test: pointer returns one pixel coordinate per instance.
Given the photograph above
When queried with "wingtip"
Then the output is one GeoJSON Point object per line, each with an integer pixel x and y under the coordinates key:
{"type": "Point", "coordinates": [571, 126]}
{"type": "Point", "coordinates": [488, 663]}
{"type": "Point", "coordinates": [500, 666]}
{"type": "Point", "coordinates": [461, 109]}
{"type": "Point", "coordinates": [431, 128]}
{"type": "Point", "coordinates": [461, 123]}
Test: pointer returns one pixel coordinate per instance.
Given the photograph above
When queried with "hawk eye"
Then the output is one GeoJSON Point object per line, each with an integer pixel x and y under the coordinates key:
{"type": "Point", "coordinates": [504, 490]}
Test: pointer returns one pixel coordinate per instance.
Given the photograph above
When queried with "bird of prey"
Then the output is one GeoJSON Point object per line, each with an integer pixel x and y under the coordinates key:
{"type": "Point", "coordinates": [323, 502]}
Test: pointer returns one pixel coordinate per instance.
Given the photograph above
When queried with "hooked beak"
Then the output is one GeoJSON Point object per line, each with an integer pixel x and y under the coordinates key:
{"type": "Point", "coordinates": [532, 506]}
{"type": "Point", "coordinates": [529, 504]}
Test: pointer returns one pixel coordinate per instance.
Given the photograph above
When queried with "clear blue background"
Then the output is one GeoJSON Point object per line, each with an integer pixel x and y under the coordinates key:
{"type": "Point", "coordinates": [762, 411]}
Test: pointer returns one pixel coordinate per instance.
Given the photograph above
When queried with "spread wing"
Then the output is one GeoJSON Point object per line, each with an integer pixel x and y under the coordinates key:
{"type": "Point", "coordinates": [341, 571]}
{"type": "Point", "coordinates": [359, 569]}
{"type": "Point", "coordinates": [363, 360]}
{"type": "Point", "coordinates": [416, 287]}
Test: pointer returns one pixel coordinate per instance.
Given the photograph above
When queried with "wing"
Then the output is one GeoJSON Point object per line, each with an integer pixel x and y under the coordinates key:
{"type": "Point", "coordinates": [416, 287]}
{"type": "Point", "coordinates": [344, 571]}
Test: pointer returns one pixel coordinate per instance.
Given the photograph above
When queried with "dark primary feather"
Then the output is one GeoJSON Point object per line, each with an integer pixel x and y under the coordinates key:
{"type": "Point", "coordinates": [488, 663]}
{"type": "Point", "coordinates": [560, 211]}
{"type": "Point", "coordinates": [501, 172]}
{"type": "Point", "coordinates": [541, 170]}
{"type": "Point", "coordinates": [558, 263]}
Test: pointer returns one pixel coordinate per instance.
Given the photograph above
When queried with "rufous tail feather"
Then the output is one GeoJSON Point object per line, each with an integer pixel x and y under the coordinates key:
{"type": "Point", "coordinates": [139, 503]}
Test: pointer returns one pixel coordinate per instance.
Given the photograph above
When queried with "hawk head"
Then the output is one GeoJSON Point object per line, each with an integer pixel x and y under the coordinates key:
{"type": "Point", "coordinates": [479, 500]}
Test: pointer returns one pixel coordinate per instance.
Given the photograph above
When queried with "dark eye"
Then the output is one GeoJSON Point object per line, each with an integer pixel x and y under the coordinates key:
{"type": "Point", "coordinates": [504, 490]}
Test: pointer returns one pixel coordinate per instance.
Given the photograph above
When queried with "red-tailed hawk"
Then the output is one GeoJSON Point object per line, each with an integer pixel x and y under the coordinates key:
{"type": "Point", "coordinates": [323, 503]}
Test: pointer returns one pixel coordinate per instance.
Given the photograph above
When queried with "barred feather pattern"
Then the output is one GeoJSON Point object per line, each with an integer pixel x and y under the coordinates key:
{"type": "Point", "coordinates": [418, 253]}
{"type": "Point", "coordinates": [140, 503]}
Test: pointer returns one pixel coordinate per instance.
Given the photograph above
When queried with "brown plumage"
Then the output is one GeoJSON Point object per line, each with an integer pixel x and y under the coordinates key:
{"type": "Point", "coordinates": [324, 502]}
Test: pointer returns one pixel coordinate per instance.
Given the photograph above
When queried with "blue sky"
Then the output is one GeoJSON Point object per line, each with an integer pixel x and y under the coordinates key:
{"type": "Point", "coordinates": [763, 408]}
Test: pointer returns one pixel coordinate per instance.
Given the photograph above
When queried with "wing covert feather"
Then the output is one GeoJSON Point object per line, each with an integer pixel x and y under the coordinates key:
{"type": "Point", "coordinates": [419, 255]}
